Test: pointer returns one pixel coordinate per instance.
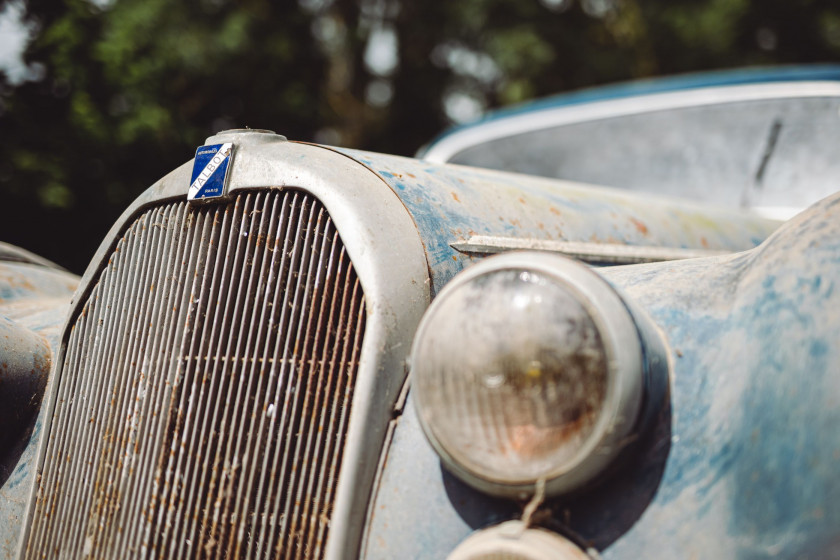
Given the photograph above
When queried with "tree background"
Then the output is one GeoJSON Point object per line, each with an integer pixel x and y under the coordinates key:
{"type": "Point", "coordinates": [119, 92]}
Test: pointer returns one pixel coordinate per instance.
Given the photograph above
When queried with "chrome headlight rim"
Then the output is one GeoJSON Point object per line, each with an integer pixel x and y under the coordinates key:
{"type": "Point", "coordinates": [516, 539]}
{"type": "Point", "coordinates": [622, 343]}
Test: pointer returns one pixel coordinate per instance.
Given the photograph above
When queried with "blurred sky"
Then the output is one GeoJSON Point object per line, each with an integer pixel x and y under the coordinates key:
{"type": "Point", "coordinates": [13, 37]}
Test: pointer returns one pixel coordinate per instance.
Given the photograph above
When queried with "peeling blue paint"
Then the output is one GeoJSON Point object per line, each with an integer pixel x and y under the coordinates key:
{"type": "Point", "coordinates": [747, 457]}
{"type": "Point", "coordinates": [37, 298]}
{"type": "Point", "coordinates": [451, 203]}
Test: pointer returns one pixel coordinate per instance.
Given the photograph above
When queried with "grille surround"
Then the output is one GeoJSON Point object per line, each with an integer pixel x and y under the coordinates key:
{"type": "Point", "coordinates": [186, 377]}
{"type": "Point", "coordinates": [389, 256]}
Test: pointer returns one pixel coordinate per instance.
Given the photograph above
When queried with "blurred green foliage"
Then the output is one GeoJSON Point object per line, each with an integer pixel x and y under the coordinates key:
{"type": "Point", "coordinates": [122, 91]}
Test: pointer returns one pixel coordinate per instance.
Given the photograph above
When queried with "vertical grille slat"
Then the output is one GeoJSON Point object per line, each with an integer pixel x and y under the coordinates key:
{"type": "Point", "coordinates": [167, 502]}
{"type": "Point", "coordinates": [316, 426]}
{"type": "Point", "coordinates": [285, 385]}
{"type": "Point", "coordinates": [123, 320]}
{"type": "Point", "coordinates": [291, 419]}
{"type": "Point", "coordinates": [128, 417]}
{"type": "Point", "coordinates": [201, 408]}
{"type": "Point", "coordinates": [151, 423]}
{"type": "Point", "coordinates": [304, 389]}
{"type": "Point", "coordinates": [281, 304]}
{"type": "Point", "coordinates": [194, 457]}
{"type": "Point", "coordinates": [222, 505]}
{"type": "Point", "coordinates": [218, 326]}
{"type": "Point", "coordinates": [151, 466]}
{"type": "Point", "coordinates": [326, 369]}
{"type": "Point", "coordinates": [104, 348]}
{"type": "Point", "coordinates": [257, 369]}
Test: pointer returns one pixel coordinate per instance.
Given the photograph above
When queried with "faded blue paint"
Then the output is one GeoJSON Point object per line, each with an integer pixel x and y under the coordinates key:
{"type": "Point", "coordinates": [450, 203]}
{"type": "Point", "coordinates": [751, 473]}
{"type": "Point", "coordinates": [37, 298]}
{"type": "Point", "coordinates": [743, 466]}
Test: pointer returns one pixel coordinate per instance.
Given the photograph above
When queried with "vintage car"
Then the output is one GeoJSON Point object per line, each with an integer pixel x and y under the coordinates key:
{"type": "Point", "coordinates": [286, 350]}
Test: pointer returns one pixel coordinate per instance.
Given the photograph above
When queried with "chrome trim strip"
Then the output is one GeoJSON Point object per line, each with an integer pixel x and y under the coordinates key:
{"type": "Point", "coordinates": [601, 253]}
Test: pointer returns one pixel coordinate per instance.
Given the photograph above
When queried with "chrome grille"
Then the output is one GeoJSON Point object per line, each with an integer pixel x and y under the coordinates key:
{"type": "Point", "coordinates": [202, 404]}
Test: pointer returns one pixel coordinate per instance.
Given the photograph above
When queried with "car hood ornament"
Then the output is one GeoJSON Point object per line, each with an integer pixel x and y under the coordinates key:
{"type": "Point", "coordinates": [210, 171]}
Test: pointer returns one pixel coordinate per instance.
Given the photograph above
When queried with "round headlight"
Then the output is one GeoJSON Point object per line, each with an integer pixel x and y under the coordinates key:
{"type": "Point", "coordinates": [527, 367]}
{"type": "Point", "coordinates": [513, 540]}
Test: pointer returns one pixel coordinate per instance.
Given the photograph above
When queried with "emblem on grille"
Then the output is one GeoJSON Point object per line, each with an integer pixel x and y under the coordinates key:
{"type": "Point", "coordinates": [210, 171]}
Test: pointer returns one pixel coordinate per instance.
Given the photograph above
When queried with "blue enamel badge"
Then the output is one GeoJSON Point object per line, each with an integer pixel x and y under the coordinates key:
{"type": "Point", "coordinates": [210, 171]}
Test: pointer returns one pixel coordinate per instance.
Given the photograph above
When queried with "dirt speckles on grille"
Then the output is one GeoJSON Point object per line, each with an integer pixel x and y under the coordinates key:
{"type": "Point", "coordinates": [202, 404]}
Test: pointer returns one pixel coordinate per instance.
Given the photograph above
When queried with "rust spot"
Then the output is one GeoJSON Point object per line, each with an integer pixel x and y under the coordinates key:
{"type": "Point", "coordinates": [640, 226]}
{"type": "Point", "coordinates": [704, 243]}
{"type": "Point", "coordinates": [454, 258]}
{"type": "Point", "coordinates": [411, 175]}
{"type": "Point", "coordinates": [540, 225]}
{"type": "Point", "coordinates": [522, 200]}
{"type": "Point", "coordinates": [554, 210]}
{"type": "Point", "coordinates": [455, 197]}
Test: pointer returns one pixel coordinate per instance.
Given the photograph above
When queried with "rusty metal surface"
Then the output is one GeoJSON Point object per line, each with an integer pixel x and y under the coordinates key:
{"type": "Point", "coordinates": [387, 253]}
{"type": "Point", "coordinates": [742, 464]}
{"type": "Point", "coordinates": [444, 203]}
{"type": "Point", "coordinates": [202, 407]}
{"type": "Point", "coordinates": [451, 203]}
{"type": "Point", "coordinates": [36, 299]}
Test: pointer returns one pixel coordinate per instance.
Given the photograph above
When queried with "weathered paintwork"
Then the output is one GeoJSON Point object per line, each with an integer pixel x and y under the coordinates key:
{"type": "Point", "coordinates": [34, 300]}
{"type": "Point", "coordinates": [451, 203]}
{"type": "Point", "coordinates": [741, 465]}
{"type": "Point", "coordinates": [388, 256]}
{"type": "Point", "coordinates": [447, 204]}
{"type": "Point", "coordinates": [755, 338]}
{"type": "Point", "coordinates": [25, 360]}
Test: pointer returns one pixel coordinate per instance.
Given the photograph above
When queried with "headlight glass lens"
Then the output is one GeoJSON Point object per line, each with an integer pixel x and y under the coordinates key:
{"type": "Point", "coordinates": [510, 374]}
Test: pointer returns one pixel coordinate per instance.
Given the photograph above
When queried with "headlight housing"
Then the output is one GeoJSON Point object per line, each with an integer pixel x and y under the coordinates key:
{"type": "Point", "coordinates": [528, 367]}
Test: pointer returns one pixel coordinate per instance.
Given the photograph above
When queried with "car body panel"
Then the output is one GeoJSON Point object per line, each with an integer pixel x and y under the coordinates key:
{"type": "Point", "coordinates": [451, 204]}
{"type": "Point", "coordinates": [739, 465]}
{"type": "Point", "coordinates": [739, 461]}
{"type": "Point", "coordinates": [37, 298]}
